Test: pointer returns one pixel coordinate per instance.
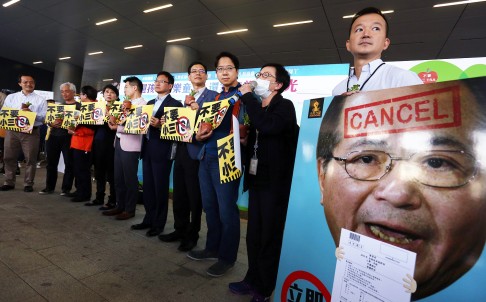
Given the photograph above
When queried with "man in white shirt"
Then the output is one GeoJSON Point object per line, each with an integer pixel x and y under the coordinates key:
{"type": "Point", "coordinates": [15, 142]}
{"type": "Point", "coordinates": [368, 38]}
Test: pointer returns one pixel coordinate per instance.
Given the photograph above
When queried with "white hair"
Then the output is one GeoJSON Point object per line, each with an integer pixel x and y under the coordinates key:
{"type": "Point", "coordinates": [72, 87]}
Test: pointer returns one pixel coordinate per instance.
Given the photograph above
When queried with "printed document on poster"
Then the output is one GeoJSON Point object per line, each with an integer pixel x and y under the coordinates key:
{"type": "Point", "coordinates": [371, 270]}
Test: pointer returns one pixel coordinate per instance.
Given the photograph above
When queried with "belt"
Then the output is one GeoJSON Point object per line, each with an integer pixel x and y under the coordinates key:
{"type": "Point", "coordinates": [35, 127]}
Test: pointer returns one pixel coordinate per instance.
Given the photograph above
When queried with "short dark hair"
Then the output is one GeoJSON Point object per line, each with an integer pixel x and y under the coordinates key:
{"type": "Point", "coordinates": [196, 63]}
{"type": "Point", "coordinates": [168, 75]}
{"type": "Point", "coordinates": [229, 55]}
{"type": "Point", "coordinates": [90, 92]}
{"type": "Point", "coordinates": [112, 87]}
{"type": "Point", "coordinates": [134, 81]}
{"type": "Point", "coordinates": [281, 75]}
{"type": "Point", "coordinates": [24, 75]}
{"type": "Point", "coordinates": [367, 11]}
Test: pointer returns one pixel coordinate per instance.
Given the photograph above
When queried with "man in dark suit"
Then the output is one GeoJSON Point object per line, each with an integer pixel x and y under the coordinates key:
{"type": "Point", "coordinates": [187, 204]}
{"type": "Point", "coordinates": [157, 160]}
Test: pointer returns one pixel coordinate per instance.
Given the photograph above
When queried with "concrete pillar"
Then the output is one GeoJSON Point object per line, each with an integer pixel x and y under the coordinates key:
{"type": "Point", "coordinates": [178, 57]}
{"type": "Point", "coordinates": [65, 72]}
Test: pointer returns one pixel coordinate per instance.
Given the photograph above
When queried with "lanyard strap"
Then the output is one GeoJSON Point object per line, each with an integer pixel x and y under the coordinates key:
{"type": "Point", "coordinates": [372, 74]}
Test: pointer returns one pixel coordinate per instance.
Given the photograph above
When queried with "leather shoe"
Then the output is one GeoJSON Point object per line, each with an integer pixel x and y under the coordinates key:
{"type": "Point", "coordinates": [6, 188]}
{"type": "Point", "coordinates": [112, 212]}
{"type": "Point", "coordinates": [28, 189]}
{"type": "Point", "coordinates": [140, 226]}
{"type": "Point", "coordinates": [171, 237]}
{"type": "Point", "coordinates": [124, 216]}
{"type": "Point", "coordinates": [154, 232]}
{"type": "Point", "coordinates": [187, 245]}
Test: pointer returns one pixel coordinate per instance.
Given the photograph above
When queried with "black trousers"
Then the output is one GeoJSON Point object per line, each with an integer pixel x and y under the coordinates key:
{"type": "Point", "coordinates": [82, 165]}
{"type": "Point", "coordinates": [56, 145]}
{"type": "Point", "coordinates": [267, 211]}
{"type": "Point", "coordinates": [187, 203]}
{"type": "Point", "coordinates": [126, 179]}
{"type": "Point", "coordinates": [104, 163]}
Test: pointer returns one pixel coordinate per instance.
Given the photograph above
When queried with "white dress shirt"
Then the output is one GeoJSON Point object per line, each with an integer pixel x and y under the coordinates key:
{"type": "Point", "coordinates": [39, 104]}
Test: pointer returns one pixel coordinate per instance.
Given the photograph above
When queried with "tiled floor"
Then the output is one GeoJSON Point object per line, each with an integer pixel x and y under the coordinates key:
{"type": "Point", "coordinates": [52, 249]}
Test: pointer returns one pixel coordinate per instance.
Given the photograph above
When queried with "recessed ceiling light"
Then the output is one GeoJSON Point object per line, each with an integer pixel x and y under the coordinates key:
{"type": "Point", "coordinates": [133, 46]}
{"type": "Point", "coordinates": [157, 8]}
{"type": "Point", "coordinates": [64, 58]}
{"type": "Point", "coordinates": [458, 3]}
{"type": "Point", "coordinates": [107, 80]}
{"type": "Point", "coordinates": [233, 31]}
{"type": "Point", "coordinates": [293, 23]}
{"type": "Point", "coordinates": [107, 21]}
{"type": "Point", "coordinates": [10, 3]}
{"type": "Point", "coordinates": [383, 12]}
{"type": "Point", "coordinates": [180, 39]}
{"type": "Point", "coordinates": [95, 53]}
{"type": "Point", "coordinates": [37, 62]}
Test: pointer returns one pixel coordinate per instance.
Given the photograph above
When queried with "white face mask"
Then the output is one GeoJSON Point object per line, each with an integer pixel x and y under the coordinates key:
{"type": "Point", "coordinates": [262, 88]}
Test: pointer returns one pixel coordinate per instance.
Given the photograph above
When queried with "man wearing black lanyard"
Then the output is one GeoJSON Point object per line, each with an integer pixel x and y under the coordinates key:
{"type": "Point", "coordinates": [368, 38]}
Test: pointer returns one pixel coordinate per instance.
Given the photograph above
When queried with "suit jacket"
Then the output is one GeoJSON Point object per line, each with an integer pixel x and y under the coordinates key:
{"type": "Point", "coordinates": [131, 142]}
{"type": "Point", "coordinates": [195, 147]}
{"type": "Point", "coordinates": [162, 147]}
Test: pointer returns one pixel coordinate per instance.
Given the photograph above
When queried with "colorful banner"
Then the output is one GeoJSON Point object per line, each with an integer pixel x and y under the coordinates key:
{"type": "Point", "coordinates": [60, 112]}
{"type": "Point", "coordinates": [17, 120]}
{"type": "Point", "coordinates": [115, 109]}
{"type": "Point", "coordinates": [228, 165]}
{"type": "Point", "coordinates": [212, 112]}
{"type": "Point", "coordinates": [138, 121]}
{"type": "Point", "coordinates": [405, 166]}
{"type": "Point", "coordinates": [92, 113]}
{"type": "Point", "coordinates": [179, 124]}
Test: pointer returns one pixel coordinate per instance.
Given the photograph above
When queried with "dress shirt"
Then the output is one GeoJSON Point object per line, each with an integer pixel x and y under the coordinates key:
{"type": "Point", "coordinates": [376, 78]}
{"type": "Point", "coordinates": [39, 104]}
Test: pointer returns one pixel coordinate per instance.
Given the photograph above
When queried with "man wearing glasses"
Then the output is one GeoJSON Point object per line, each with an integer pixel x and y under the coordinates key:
{"type": "Point", "coordinates": [187, 205]}
{"type": "Point", "coordinates": [413, 177]}
{"type": "Point", "coordinates": [157, 160]}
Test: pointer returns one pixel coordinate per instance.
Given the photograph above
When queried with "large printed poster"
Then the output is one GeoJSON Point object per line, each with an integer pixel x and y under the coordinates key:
{"type": "Point", "coordinates": [405, 166]}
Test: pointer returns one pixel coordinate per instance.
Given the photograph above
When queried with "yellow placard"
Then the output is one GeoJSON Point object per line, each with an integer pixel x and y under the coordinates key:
{"type": "Point", "coordinates": [66, 112]}
{"type": "Point", "coordinates": [92, 113]}
{"type": "Point", "coordinates": [214, 111]}
{"type": "Point", "coordinates": [17, 120]}
{"type": "Point", "coordinates": [227, 159]}
{"type": "Point", "coordinates": [115, 110]}
{"type": "Point", "coordinates": [138, 120]}
{"type": "Point", "coordinates": [179, 124]}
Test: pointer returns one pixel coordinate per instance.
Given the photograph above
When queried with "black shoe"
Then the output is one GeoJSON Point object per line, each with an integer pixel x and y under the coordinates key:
{"type": "Point", "coordinates": [28, 189]}
{"type": "Point", "coordinates": [7, 188]}
{"type": "Point", "coordinates": [79, 199]}
{"type": "Point", "coordinates": [154, 232]}
{"type": "Point", "coordinates": [219, 269]}
{"type": "Point", "coordinates": [46, 191]}
{"type": "Point", "coordinates": [140, 226]}
{"type": "Point", "coordinates": [171, 237]}
{"type": "Point", "coordinates": [107, 207]}
{"type": "Point", "coordinates": [64, 193]}
{"type": "Point", "coordinates": [71, 194]}
{"type": "Point", "coordinates": [94, 203]}
{"type": "Point", "coordinates": [187, 245]}
{"type": "Point", "coordinates": [202, 255]}
{"type": "Point", "coordinates": [241, 288]}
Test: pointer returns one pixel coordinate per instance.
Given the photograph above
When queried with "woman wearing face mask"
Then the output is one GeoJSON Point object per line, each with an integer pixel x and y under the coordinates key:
{"type": "Point", "coordinates": [269, 163]}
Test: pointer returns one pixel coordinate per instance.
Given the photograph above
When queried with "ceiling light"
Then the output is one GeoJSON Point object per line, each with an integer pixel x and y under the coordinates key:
{"type": "Point", "coordinates": [107, 21]}
{"type": "Point", "coordinates": [458, 3]}
{"type": "Point", "coordinates": [383, 12]}
{"type": "Point", "coordinates": [107, 80]}
{"type": "Point", "coordinates": [37, 62]}
{"type": "Point", "coordinates": [180, 39]}
{"type": "Point", "coordinates": [157, 8]}
{"type": "Point", "coordinates": [133, 46]}
{"type": "Point", "coordinates": [293, 23]}
{"type": "Point", "coordinates": [95, 53]}
{"type": "Point", "coordinates": [232, 31]}
{"type": "Point", "coordinates": [64, 58]}
{"type": "Point", "coordinates": [10, 3]}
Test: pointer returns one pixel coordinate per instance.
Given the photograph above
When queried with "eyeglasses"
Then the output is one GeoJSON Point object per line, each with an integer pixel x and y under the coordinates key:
{"type": "Point", "coordinates": [161, 82]}
{"type": "Point", "coordinates": [436, 168]}
{"type": "Point", "coordinates": [227, 68]}
{"type": "Point", "coordinates": [194, 71]}
{"type": "Point", "coordinates": [264, 75]}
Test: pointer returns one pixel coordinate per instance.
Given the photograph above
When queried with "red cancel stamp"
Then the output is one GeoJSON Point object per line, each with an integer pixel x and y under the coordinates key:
{"type": "Point", "coordinates": [435, 109]}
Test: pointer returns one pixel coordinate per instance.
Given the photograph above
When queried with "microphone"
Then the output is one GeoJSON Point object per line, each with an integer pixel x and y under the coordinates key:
{"type": "Point", "coordinates": [238, 94]}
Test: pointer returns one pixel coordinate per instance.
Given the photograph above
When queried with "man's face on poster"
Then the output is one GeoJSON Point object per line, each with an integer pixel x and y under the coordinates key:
{"type": "Point", "coordinates": [430, 198]}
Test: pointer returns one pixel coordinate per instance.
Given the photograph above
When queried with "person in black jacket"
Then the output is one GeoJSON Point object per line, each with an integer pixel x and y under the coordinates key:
{"type": "Point", "coordinates": [269, 163]}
